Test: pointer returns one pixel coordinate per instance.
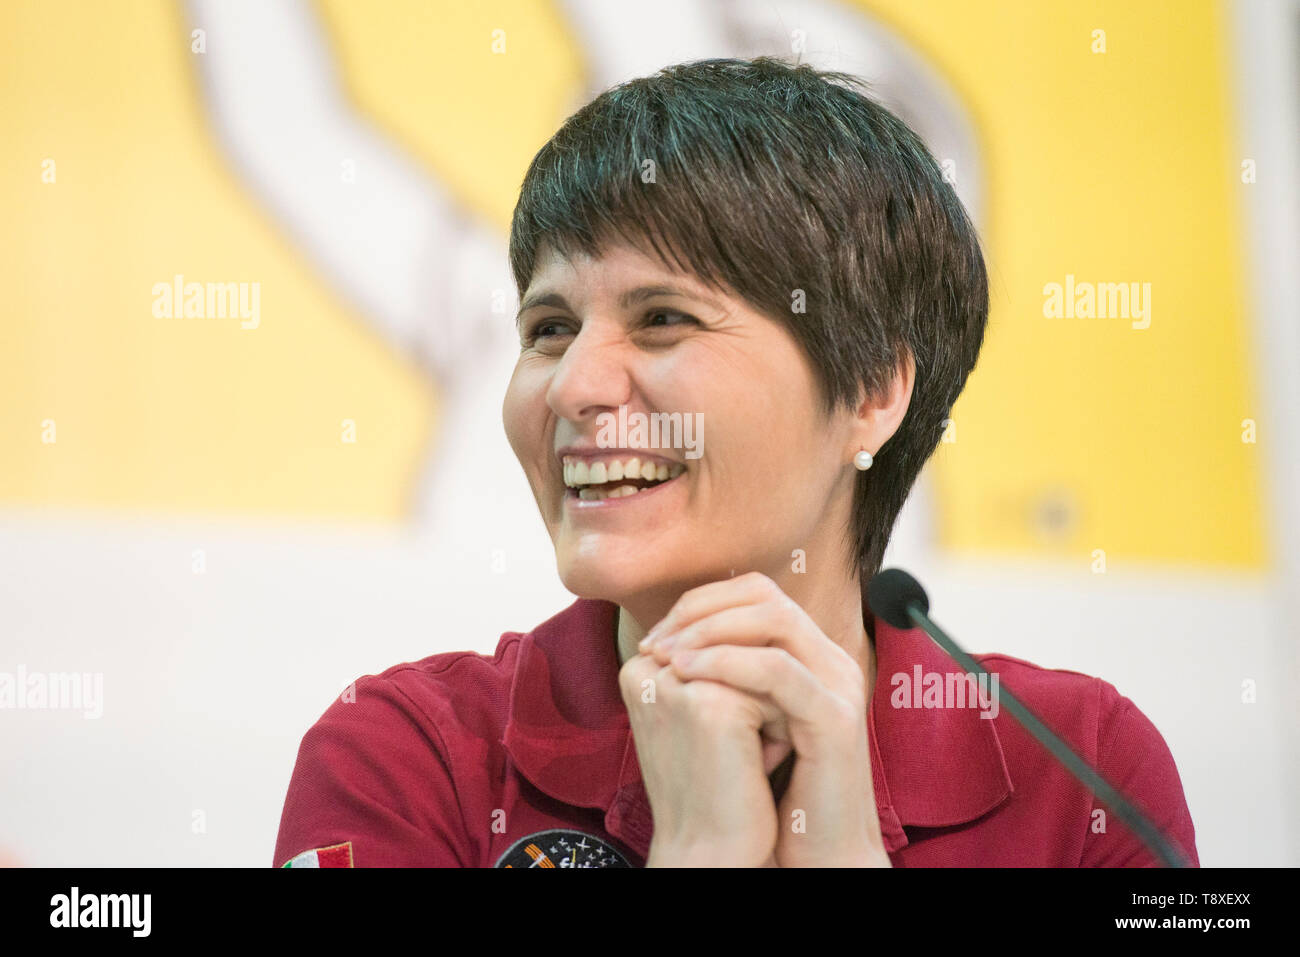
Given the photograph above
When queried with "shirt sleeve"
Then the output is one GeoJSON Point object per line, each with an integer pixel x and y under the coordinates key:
{"type": "Point", "coordinates": [1136, 761]}
{"type": "Point", "coordinates": [370, 772]}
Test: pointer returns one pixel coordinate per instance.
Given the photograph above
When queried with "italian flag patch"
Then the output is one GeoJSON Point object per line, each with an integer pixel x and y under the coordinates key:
{"type": "Point", "coordinates": [336, 855]}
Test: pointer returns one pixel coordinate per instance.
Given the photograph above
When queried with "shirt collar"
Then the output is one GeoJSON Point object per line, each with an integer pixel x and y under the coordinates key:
{"type": "Point", "coordinates": [568, 727]}
{"type": "Point", "coordinates": [936, 767]}
{"type": "Point", "coordinates": [568, 731]}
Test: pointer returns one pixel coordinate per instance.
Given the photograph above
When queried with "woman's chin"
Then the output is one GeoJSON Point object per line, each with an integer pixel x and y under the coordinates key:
{"type": "Point", "coordinates": [612, 580]}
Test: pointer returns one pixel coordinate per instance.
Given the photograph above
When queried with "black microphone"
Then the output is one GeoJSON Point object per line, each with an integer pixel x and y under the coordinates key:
{"type": "Point", "coordinates": [899, 599]}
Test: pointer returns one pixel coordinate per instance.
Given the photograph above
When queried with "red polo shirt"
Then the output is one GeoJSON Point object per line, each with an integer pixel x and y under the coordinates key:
{"type": "Point", "coordinates": [526, 758]}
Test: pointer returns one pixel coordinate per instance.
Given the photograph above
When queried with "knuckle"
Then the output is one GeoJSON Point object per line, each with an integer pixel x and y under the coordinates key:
{"type": "Point", "coordinates": [667, 687]}
{"type": "Point", "coordinates": [631, 674]}
{"type": "Point", "coordinates": [854, 679]}
{"type": "Point", "coordinates": [783, 659]}
{"type": "Point", "coordinates": [846, 715]}
{"type": "Point", "coordinates": [787, 610]}
{"type": "Point", "coordinates": [685, 601]}
{"type": "Point", "coordinates": [705, 698]}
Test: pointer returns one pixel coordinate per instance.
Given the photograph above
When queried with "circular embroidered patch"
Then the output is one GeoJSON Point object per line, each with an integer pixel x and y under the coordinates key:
{"type": "Point", "coordinates": [562, 848]}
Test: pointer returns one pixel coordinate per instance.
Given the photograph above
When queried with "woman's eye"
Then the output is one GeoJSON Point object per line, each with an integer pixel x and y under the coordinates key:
{"type": "Point", "coordinates": [548, 332]}
{"type": "Point", "coordinates": [546, 329]}
{"type": "Point", "coordinates": [658, 317]}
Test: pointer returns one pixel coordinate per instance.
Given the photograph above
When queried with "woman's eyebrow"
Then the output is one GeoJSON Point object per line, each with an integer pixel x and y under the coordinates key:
{"type": "Point", "coordinates": [553, 299]}
{"type": "Point", "coordinates": [642, 293]}
{"type": "Point", "coordinates": [541, 299]}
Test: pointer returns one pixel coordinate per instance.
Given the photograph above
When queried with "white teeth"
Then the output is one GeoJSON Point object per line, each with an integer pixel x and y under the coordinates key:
{"type": "Point", "coordinates": [590, 494]}
{"type": "Point", "coordinates": [578, 472]}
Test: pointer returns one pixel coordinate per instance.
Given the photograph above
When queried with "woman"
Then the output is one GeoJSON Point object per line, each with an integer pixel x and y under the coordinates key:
{"type": "Point", "coordinates": [757, 254]}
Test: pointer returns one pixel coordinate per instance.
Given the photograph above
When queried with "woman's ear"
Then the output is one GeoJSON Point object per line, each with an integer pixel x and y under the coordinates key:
{"type": "Point", "coordinates": [879, 416]}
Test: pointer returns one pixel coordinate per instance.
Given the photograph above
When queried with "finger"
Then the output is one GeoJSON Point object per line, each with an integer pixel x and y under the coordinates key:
{"type": "Point", "coordinates": [771, 723]}
{"type": "Point", "coordinates": [774, 729]}
{"type": "Point", "coordinates": [704, 600]}
{"type": "Point", "coordinates": [640, 678]}
{"type": "Point", "coordinates": [636, 668]}
{"type": "Point", "coordinates": [774, 624]}
{"type": "Point", "coordinates": [772, 673]}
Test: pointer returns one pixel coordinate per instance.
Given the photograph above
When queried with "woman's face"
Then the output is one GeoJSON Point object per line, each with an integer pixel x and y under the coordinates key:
{"type": "Point", "coordinates": [760, 473]}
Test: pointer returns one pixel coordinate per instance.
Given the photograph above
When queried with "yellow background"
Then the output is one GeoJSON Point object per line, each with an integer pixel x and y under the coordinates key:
{"type": "Point", "coordinates": [1112, 167]}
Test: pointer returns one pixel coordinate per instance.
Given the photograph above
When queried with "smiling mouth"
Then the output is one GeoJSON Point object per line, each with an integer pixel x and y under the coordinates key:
{"type": "Point", "coordinates": [615, 478]}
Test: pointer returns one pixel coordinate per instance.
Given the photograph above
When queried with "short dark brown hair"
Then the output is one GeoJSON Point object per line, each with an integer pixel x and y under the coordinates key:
{"type": "Point", "coordinates": [771, 177]}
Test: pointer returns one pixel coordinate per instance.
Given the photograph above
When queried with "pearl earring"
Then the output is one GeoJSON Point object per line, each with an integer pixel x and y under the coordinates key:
{"type": "Point", "coordinates": [862, 460]}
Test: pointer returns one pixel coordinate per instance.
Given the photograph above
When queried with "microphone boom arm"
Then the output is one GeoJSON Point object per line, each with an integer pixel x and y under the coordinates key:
{"type": "Point", "coordinates": [1137, 822]}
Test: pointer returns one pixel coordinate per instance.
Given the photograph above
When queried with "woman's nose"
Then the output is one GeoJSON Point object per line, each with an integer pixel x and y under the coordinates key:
{"type": "Point", "coordinates": [592, 375]}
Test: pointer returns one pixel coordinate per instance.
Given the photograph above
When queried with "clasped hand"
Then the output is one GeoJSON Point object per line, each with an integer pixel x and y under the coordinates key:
{"type": "Point", "coordinates": [734, 678]}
